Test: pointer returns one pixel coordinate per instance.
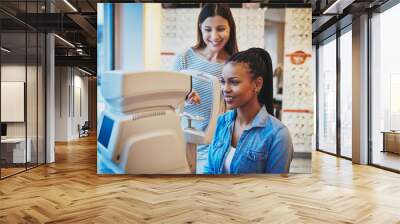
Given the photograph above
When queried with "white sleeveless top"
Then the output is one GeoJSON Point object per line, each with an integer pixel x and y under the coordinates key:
{"type": "Point", "coordinates": [228, 159]}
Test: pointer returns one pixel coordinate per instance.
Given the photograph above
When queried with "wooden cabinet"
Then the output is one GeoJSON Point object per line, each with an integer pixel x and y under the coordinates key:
{"type": "Point", "coordinates": [391, 141]}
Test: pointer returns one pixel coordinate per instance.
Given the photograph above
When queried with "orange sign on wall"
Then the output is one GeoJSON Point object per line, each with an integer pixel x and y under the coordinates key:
{"type": "Point", "coordinates": [298, 57]}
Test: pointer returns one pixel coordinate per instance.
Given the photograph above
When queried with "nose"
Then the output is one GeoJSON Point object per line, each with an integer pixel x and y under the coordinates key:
{"type": "Point", "coordinates": [225, 88]}
{"type": "Point", "coordinates": [215, 35]}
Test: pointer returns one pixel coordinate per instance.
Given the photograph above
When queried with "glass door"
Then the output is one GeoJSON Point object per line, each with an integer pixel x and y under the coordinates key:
{"type": "Point", "coordinates": [385, 89]}
{"type": "Point", "coordinates": [13, 103]}
{"type": "Point", "coordinates": [327, 96]}
{"type": "Point", "coordinates": [22, 77]}
{"type": "Point", "coordinates": [346, 93]}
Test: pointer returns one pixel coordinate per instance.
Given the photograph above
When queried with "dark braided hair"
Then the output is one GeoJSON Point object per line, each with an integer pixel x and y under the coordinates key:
{"type": "Point", "coordinates": [260, 64]}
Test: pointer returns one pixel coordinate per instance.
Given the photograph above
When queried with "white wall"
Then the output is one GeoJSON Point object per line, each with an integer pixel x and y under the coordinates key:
{"type": "Point", "coordinates": [274, 41]}
{"type": "Point", "coordinates": [71, 94]}
{"type": "Point", "coordinates": [152, 40]}
{"type": "Point", "coordinates": [80, 103]}
{"type": "Point", "coordinates": [61, 103]}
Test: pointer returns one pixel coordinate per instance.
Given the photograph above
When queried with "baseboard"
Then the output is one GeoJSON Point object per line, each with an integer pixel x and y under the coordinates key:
{"type": "Point", "coordinates": [302, 155]}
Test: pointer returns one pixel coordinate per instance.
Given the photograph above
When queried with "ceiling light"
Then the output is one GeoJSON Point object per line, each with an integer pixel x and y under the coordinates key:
{"type": "Point", "coordinates": [337, 7]}
{"type": "Point", "coordinates": [65, 41]}
{"type": "Point", "coordinates": [5, 49]}
{"type": "Point", "coordinates": [70, 5]}
{"type": "Point", "coordinates": [86, 72]}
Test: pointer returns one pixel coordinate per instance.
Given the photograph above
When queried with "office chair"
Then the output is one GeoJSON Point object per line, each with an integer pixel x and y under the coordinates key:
{"type": "Point", "coordinates": [84, 130]}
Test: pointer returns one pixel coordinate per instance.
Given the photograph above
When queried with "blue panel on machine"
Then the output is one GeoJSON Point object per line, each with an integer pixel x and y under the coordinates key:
{"type": "Point", "coordinates": [105, 131]}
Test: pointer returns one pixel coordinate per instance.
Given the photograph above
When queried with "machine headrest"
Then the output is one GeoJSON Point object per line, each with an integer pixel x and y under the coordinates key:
{"type": "Point", "coordinates": [126, 91]}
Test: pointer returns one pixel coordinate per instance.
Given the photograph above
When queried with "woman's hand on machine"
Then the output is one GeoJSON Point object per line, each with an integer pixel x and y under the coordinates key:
{"type": "Point", "coordinates": [193, 98]}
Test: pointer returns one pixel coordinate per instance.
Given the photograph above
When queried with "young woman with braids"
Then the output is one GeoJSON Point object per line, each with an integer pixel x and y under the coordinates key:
{"type": "Point", "coordinates": [248, 139]}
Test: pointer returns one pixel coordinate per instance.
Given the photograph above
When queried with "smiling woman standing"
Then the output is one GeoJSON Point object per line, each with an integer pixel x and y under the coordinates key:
{"type": "Point", "coordinates": [216, 42]}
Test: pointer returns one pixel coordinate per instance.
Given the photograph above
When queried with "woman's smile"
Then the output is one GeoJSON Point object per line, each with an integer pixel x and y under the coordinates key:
{"type": "Point", "coordinates": [229, 99]}
{"type": "Point", "coordinates": [216, 43]}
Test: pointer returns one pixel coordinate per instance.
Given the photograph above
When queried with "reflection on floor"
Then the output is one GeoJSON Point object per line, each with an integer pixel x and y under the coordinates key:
{"type": "Point", "coordinates": [300, 165]}
{"type": "Point", "coordinates": [10, 171]}
{"type": "Point", "coordinates": [386, 159]}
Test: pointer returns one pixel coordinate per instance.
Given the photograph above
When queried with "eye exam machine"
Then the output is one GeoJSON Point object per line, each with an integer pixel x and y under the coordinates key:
{"type": "Point", "coordinates": [141, 131]}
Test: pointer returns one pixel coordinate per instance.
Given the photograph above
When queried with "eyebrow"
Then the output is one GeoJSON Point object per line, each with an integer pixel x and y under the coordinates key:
{"type": "Point", "coordinates": [219, 26]}
{"type": "Point", "coordinates": [230, 78]}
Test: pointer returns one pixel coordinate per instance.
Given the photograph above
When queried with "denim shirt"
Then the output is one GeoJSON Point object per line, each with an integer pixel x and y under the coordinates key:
{"type": "Point", "coordinates": [265, 147]}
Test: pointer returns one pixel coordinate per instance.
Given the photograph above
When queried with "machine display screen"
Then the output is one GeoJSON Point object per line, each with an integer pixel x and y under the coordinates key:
{"type": "Point", "coordinates": [105, 131]}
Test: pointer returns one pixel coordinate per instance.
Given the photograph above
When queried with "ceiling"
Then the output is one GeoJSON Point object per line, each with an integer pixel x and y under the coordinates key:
{"type": "Point", "coordinates": [76, 24]}
{"type": "Point", "coordinates": [330, 16]}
